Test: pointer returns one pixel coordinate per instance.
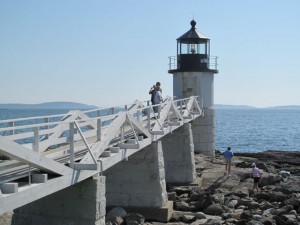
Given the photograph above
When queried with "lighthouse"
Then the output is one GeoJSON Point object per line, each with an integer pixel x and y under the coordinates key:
{"type": "Point", "coordinates": [193, 72]}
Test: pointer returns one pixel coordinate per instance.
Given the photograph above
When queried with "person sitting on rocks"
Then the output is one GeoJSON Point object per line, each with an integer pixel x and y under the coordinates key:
{"type": "Point", "coordinates": [228, 154]}
{"type": "Point", "coordinates": [256, 174]}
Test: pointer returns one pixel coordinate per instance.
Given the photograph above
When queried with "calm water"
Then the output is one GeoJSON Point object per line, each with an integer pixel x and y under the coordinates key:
{"type": "Point", "coordinates": [254, 130]}
{"type": "Point", "coordinates": [245, 130]}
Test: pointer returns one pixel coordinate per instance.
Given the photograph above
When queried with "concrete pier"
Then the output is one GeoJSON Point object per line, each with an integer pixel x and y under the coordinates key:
{"type": "Point", "coordinates": [204, 133]}
{"type": "Point", "coordinates": [81, 204]}
{"type": "Point", "coordinates": [178, 150]}
{"type": "Point", "coordinates": [138, 185]}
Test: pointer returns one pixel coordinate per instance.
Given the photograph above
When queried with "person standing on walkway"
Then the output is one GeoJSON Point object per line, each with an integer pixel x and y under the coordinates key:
{"type": "Point", "coordinates": [228, 155]}
{"type": "Point", "coordinates": [153, 90]}
{"type": "Point", "coordinates": [256, 175]}
{"type": "Point", "coordinates": [157, 98]}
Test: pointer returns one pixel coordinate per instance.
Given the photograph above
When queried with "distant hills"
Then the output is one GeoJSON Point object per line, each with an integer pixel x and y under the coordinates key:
{"type": "Point", "coordinates": [48, 105]}
{"type": "Point", "coordinates": [74, 105]}
{"type": "Point", "coordinates": [219, 106]}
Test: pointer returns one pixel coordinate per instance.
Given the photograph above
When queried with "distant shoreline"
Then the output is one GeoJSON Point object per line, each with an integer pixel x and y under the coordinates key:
{"type": "Point", "coordinates": [48, 105]}
{"type": "Point", "coordinates": [75, 105]}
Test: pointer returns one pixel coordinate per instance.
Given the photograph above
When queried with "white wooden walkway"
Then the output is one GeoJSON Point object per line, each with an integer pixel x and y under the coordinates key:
{"type": "Point", "coordinates": [45, 157]}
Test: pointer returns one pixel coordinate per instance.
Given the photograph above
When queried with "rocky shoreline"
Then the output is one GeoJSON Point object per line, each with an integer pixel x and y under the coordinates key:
{"type": "Point", "coordinates": [222, 199]}
{"type": "Point", "coordinates": [216, 198]}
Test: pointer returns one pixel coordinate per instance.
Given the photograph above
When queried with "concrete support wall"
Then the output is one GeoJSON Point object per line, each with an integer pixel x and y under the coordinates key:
{"type": "Point", "coordinates": [178, 150]}
{"type": "Point", "coordinates": [81, 204]}
{"type": "Point", "coordinates": [138, 182]}
{"type": "Point", "coordinates": [204, 133]}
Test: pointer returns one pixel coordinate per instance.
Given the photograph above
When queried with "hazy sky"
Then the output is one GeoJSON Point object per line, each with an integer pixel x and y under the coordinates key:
{"type": "Point", "coordinates": [109, 53]}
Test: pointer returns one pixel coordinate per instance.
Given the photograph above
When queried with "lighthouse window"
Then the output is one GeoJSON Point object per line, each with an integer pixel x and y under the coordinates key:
{"type": "Point", "coordinates": [202, 48]}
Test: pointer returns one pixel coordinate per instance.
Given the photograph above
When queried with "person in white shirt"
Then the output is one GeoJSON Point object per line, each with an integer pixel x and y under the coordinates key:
{"type": "Point", "coordinates": [157, 98]}
{"type": "Point", "coordinates": [256, 175]}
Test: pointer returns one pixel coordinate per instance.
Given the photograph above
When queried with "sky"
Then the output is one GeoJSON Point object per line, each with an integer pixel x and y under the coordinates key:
{"type": "Point", "coordinates": [108, 53]}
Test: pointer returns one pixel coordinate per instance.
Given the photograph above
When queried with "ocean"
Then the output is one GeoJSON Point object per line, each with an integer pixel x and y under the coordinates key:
{"type": "Point", "coordinates": [245, 130]}
{"type": "Point", "coordinates": [256, 130]}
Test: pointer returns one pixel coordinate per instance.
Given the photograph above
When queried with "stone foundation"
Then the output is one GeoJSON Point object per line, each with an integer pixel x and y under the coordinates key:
{"type": "Point", "coordinates": [204, 133]}
{"type": "Point", "coordinates": [81, 204]}
{"type": "Point", "coordinates": [139, 183]}
{"type": "Point", "coordinates": [178, 149]}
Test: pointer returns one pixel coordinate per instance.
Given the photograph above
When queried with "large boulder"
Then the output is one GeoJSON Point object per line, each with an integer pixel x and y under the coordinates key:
{"type": "Point", "coordinates": [182, 206]}
{"type": "Point", "coordinates": [203, 202]}
{"type": "Point", "coordinates": [214, 209]}
{"type": "Point", "coordinates": [115, 214]}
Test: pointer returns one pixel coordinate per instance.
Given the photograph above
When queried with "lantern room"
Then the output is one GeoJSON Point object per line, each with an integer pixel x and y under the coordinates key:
{"type": "Point", "coordinates": [193, 51]}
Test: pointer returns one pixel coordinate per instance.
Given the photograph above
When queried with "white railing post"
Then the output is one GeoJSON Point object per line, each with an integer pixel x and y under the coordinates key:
{"type": "Point", "coordinates": [98, 129]}
{"type": "Point", "coordinates": [47, 127]}
{"type": "Point", "coordinates": [71, 141]}
{"type": "Point", "coordinates": [148, 118]}
{"type": "Point", "coordinates": [159, 109]}
{"type": "Point", "coordinates": [36, 141]}
{"type": "Point", "coordinates": [180, 106]}
{"type": "Point", "coordinates": [29, 175]}
{"type": "Point", "coordinates": [138, 117]}
{"type": "Point", "coordinates": [11, 124]}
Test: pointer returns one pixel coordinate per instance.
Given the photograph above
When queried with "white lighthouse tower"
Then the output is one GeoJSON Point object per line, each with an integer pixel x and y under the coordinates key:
{"type": "Point", "coordinates": [193, 75]}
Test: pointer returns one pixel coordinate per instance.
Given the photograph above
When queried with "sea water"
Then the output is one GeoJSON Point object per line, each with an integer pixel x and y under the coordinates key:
{"type": "Point", "coordinates": [256, 130]}
{"type": "Point", "coordinates": [245, 130]}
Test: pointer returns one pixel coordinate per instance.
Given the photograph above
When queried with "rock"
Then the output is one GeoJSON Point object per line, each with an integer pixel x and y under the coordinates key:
{"type": "Point", "coordinates": [292, 201]}
{"type": "Point", "coordinates": [284, 210]}
{"type": "Point", "coordinates": [204, 202]}
{"type": "Point", "coordinates": [284, 173]}
{"type": "Point", "coordinates": [114, 213]}
{"type": "Point", "coordinates": [264, 205]}
{"type": "Point", "coordinates": [270, 211]}
{"type": "Point", "coordinates": [214, 209]}
{"type": "Point", "coordinates": [182, 206]}
{"type": "Point", "coordinates": [242, 192]}
{"type": "Point", "coordinates": [213, 221]}
{"type": "Point", "coordinates": [218, 198]}
{"type": "Point", "coordinates": [227, 215]}
{"type": "Point", "coordinates": [237, 213]}
{"type": "Point", "coordinates": [232, 203]}
{"type": "Point", "coordinates": [293, 212]}
{"type": "Point", "coordinates": [188, 218]}
{"type": "Point", "coordinates": [246, 215]}
{"type": "Point", "coordinates": [244, 176]}
{"type": "Point", "coordinates": [290, 186]}
{"type": "Point", "coordinates": [289, 218]}
{"type": "Point", "coordinates": [172, 196]}
{"type": "Point", "coordinates": [200, 215]}
{"type": "Point", "coordinates": [263, 196]}
{"type": "Point", "coordinates": [249, 203]}
{"type": "Point", "coordinates": [115, 221]}
{"type": "Point", "coordinates": [270, 179]}
{"type": "Point", "coordinates": [231, 221]}
{"type": "Point", "coordinates": [195, 195]}
{"type": "Point", "coordinates": [134, 219]}
{"type": "Point", "coordinates": [256, 217]}
{"type": "Point", "coordinates": [182, 190]}
{"type": "Point", "coordinates": [277, 196]}
{"type": "Point", "coordinates": [254, 222]}
{"type": "Point", "coordinates": [242, 222]}
{"type": "Point", "coordinates": [266, 220]}
{"type": "Point", "coordinates": [279, 221]}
